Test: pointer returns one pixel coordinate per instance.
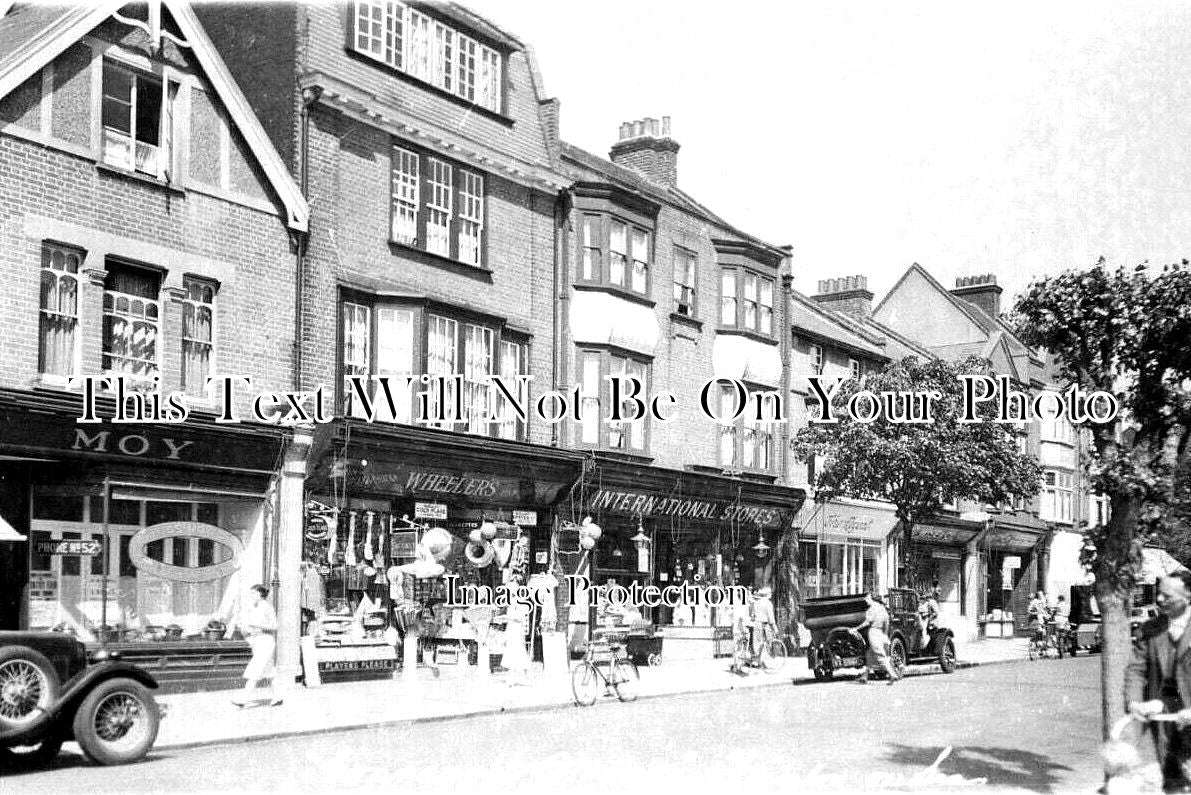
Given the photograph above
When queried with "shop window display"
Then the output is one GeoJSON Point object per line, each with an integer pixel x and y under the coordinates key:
{"type": "Point", "coordinates": [373, 579]}
{"type": "Point", "coordinates": [847, 566]}
{"type": "Point", "coordinates": [123, 586]}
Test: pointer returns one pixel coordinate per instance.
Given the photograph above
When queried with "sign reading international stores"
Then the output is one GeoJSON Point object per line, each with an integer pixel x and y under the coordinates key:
{"type": "Point", "coordinates": [642, 504]}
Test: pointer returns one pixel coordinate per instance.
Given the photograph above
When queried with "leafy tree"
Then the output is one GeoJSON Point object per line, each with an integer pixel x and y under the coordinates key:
{"type": "Point", "coordinates": [923, 465]}
{"type": "Point", "coordinates": [1126, 334]}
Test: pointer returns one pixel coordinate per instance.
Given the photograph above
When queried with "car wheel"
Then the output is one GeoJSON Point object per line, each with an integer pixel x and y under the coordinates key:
{"type": "Point", "coordinates": [947, 656]}
{"type": "Point", "coordinates": [35, 755]}
{"type": "Point", "coordinates": [897, 657]}
{"type": "Point", "coordinates": [117, 722]}
{"type": "Point", "coordinates": [28, 685]}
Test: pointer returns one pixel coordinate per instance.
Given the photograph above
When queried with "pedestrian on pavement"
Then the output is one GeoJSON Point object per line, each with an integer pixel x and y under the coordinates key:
{"type": "Point", "coordinates": [764, 622]}
{"type": "Point", "coordinates": [1158, 679]}
{"type": "Point", "coordinates": [259, 625]}
{"type": "Point", "coordinates": [742, 622]}
{"type": "Point", "coordinates": [876, 621]}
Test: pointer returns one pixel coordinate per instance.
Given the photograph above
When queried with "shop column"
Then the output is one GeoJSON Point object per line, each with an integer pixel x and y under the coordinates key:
{"type": "Point", "coordinates": [290, 505]}
{"type": "Point", "coordinates": [973, 582]}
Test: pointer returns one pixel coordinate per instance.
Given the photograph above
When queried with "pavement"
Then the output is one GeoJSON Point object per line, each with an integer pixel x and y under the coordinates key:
{"type": "Point", "coordinates": [203, 719]}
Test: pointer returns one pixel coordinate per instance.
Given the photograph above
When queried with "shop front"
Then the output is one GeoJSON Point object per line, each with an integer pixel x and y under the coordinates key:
{"type": "Point", "coordinates": [684, 533]}
{"type": "Point", "coordinates": [411, 535]}
{"type": "Point", "coordinates": [1010, 553]}
{"type": "Point", "coordinates": [843, 547]}
{"type": "Point", "coordinates": [937, 558]}
{"type": "Point", "coordinates": [140, 538]}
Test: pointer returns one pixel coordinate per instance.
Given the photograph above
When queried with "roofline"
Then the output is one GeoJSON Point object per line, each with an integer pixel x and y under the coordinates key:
{"type": "Point", "coordinates": [42, 49]}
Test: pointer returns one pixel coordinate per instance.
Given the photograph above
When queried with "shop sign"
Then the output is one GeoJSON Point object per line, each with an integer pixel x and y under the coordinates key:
{"type": "Point", "coordinates": [636, 503]}
{"type": "Point", "coordinates": [934, 534]}
{"type": "Point", "coordinates": [38, 432]}
{"type": "Point", "coordinates": [1017, 540]}
{"type": "Point", "coordinates": [334, 659]}
{"type": "Point", "coordinates": [945, 554]}
{"type": "Point", "coordinates": [855, 521]}
{"type": "Point", "coordinates": [430, 510]}
{"type": "Point", "coordinates": [404, 544]}
{"type": "Point", "coordinates": [404, 480]}
{"type": "Point", "coordinates": [91, 547]}
{"type": "Point", "coordinates": [541, 558]}
{"type": "Point", "coordinates": [525, 518]}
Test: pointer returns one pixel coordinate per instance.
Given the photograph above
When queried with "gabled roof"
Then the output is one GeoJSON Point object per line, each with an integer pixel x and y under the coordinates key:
{"type": "Point", "coordinates": [810, 319]}
{"type": "Point", "coordinates": [914, 347]}
{"type": "Point", "coordinates": [984, 321]}
{"type": "Point", "coordinates": [606, 169]}
{"type": "Point", "coordinates": [32, 35]}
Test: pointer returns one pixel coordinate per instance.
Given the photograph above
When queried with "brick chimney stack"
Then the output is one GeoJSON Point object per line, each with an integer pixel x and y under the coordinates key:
{"type": "Point", "coordinates": [980, 291]}
{"type": "Point", "coordinates": [849, 295]}
{"type": "Point", "coordinates": [647, 148]}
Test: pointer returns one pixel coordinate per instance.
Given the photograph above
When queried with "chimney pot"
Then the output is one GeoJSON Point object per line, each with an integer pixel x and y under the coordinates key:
{"type": "Point", "coordinates": [645, 146]}
{"type": "Point", "coordinates": [666, 126]}
{"type": "Point", "coordinates": [626, 129]}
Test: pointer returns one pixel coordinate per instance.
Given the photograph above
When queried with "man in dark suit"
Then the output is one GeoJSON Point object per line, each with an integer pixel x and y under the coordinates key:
{"type": "Point", "coordinates": [1158, 678]}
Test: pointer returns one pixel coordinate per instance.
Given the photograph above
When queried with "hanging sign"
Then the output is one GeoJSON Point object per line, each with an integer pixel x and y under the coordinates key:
{"type": "Point", "coordinates": [430, 510]}
{"type": "Point", "coordinates": [525, 518]}
{"type": "Point", "coordinates": [643, 560]}
{"type": "Point", "coordinates": [404, 544]}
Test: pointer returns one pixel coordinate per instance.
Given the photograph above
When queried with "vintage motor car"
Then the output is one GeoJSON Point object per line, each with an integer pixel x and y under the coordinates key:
{"type": "Point", "coordinates": [52, 690]}
{"type": "Point", "coordinates": [832, 619]}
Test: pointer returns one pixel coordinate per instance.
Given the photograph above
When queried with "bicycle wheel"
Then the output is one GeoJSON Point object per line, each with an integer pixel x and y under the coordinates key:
{"type": "Point", "coordinates": [585, 684]}
{"type": "Point", "coordinates": [773, 656]}
{"type": "Point", "coordinates": [626, 679]}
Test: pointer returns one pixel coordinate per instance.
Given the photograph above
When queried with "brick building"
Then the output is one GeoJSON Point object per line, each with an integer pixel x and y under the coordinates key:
{"type": "Point", "coordinates": [148, 229]}
{"type": "Point", "coordinates": [421, 136]}
{"type": "Point", "coordinates": [659, 288]}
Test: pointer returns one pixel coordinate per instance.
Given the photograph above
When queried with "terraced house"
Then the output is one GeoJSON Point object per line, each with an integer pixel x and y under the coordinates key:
{"type": "Point", "coordinates": [149, 230]}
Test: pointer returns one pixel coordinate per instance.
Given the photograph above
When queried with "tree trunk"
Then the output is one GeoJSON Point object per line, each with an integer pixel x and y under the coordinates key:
{"type": "Point", "coordinates": [1114, 581]}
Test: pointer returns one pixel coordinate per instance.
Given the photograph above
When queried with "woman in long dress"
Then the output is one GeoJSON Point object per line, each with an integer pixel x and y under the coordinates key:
{"type": "Point", "coordinates": [259, 625]}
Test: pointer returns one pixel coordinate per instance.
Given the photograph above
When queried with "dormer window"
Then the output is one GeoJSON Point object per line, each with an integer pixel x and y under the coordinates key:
{"type": "Point", "coordinates": [424, 48]}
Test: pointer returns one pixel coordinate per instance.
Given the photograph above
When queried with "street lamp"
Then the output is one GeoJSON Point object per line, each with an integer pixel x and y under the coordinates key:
{"type": "Point", "coordinates": [761, 548]}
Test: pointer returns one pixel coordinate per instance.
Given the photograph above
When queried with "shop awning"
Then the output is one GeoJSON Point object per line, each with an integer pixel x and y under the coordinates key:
{"type": "Point", "coordinates": [945, 535]}
{"type": "Point", "coordinates": [1157, 563]}
{"type": "Point", "coordinates": [846, 520]}
{"type": "Point", "coordinates": [8, 532]}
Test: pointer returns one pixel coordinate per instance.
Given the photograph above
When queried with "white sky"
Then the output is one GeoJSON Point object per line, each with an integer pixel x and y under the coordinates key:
{"type": "Point", "coordinates": [1013, 138]}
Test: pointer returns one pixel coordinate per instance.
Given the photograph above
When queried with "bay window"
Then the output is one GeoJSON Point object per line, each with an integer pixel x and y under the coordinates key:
{"type": "Point", "coordinates": [58, 337]}
{"type": "Point", "coordinates": [615, 252]}
{"type": "Point", "coordinates": [403, 340]}
{"type": "Point", "coordinates": [1057, 496]}
{"type": "Point", "coordinates": [595, 369]}
{"type": "Point", "coordinates": [410, 41]}
{"type": "Point", "coordinates": [437, 206]}
{"type": "Point", "coordinates": [746, 300]}
{"type": "Point", "coordinates": [744, 443]}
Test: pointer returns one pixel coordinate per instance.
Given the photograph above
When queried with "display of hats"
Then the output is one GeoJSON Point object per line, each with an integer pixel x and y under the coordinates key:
{"type": "Point", "coordinates": [475, 536]}
{"type": "Point", "coordinates": [488, 531]}
{"type": "Point", "coordinates": [479, 555]}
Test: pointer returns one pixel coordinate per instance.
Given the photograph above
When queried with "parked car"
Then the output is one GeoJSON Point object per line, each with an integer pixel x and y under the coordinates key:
{"type": "Point", "coordinates": [831, 620]}
{"type": "Point", "coordinates": [52, 691]}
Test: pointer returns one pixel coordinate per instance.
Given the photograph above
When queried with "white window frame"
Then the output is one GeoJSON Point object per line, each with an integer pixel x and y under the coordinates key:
{"type": "Point", "coordinates": [854, 369]}
{"type": "Point", "coordinates": [196, 305]}
{"type": "Point", "coordinates": [817, 360]}
{"type": "Point", "coordinates": [406, 202]}
{"type": "Point", "coordinates": [1058, 496]}
{"type": "Point", "coordinates": [355, 350]}
{"type": "Point", "coordinates": [167, 152]}
{"type": "Point", "coordinates": [748, 299]}
{"type": "Point", "coordinates": [61, 276]}
{"type": "Point", "coordinates": [440, 194]}
{"type": "Point", "coordinates": [470, 225]}
{"type": "Point", "coordinates": [429, 50]}
{"type": "Point", "coordinates": [111, 308]}
{"type": "Point", "coordinates": [686, 274]}
{"type": "Point", "coordinates": [479, 364]}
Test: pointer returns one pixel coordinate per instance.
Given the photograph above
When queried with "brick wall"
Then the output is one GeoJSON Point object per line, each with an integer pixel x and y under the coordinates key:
{"type": "Point", "coordinates": [50, 195]}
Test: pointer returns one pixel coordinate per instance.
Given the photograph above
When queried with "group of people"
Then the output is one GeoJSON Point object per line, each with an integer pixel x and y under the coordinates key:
{"type": "Point", "coordinates": [1042, 615]}
{"type": "Point", "coordinates": [754, 620]}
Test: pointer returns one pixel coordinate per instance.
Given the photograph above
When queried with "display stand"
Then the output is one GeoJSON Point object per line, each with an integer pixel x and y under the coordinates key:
{"type": "Point", "coordinates": [554, 652]}
{"type": "Point", "coordinates": [409, 655]}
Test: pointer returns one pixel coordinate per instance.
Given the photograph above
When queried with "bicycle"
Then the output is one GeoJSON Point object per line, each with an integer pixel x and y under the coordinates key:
{"type": "Point", "coordinates": [770, 657]}
{"type": "Point", "coordinates": [1045, 642]}
{"type": "Point", "coordinates": [622, 675]}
